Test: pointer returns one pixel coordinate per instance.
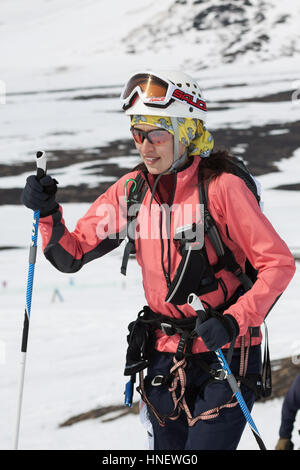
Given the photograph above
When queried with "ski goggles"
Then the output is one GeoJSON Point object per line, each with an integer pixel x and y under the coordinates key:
{"type": "Point", "coordinates": [157, 137]}
{"type": "Point", "coordinates": [157, 92]}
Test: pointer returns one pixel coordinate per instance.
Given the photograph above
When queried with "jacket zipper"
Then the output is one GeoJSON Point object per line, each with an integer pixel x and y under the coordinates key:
{"type": "Point", "coordinates": [169, 227]}
{"type": "Point", "coordinates": [167, 271]}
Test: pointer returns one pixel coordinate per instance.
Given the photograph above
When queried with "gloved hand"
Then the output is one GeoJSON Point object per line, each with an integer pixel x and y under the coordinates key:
{"type": "Point", "coordinates": [284, 443]}
{"type": "Point", "coordinates": [218, 330]}
{"type": "Point", "coordinates": [40, 194]}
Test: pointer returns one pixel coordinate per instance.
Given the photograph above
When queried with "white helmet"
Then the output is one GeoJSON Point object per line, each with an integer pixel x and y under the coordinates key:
{"type": "Point", "coordinates": [164, 93]}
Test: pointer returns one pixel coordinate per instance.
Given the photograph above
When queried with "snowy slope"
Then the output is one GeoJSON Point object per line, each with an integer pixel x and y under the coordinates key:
{"type": "Point", "coordinates": [59, 120]}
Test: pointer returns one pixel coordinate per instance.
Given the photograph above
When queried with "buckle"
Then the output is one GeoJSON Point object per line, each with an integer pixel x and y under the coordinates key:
{"type": "Point", "coordinates": [157, 380]}
{"type": "Point", "coordinates": [167, 329]}
{"type": "Point", "coordinates": [219, 374]}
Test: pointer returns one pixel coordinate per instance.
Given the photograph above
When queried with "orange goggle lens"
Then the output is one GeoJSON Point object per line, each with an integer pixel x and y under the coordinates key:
{"type": "Point", "coordinates": [150, 85]}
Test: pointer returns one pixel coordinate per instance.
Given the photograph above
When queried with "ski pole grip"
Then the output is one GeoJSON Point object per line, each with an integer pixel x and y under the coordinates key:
{"type": "Point", "coordinates": [196, 304]}
{"type": "Point", "coordinates": [41, 164]}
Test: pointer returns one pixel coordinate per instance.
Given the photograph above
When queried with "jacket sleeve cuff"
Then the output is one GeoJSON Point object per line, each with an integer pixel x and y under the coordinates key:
{"type": "Point", "coordinates": [232, 326]}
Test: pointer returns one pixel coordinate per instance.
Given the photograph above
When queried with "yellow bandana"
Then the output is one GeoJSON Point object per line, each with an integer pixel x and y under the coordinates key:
{"type": "Point", "coordinates": [192, 132]}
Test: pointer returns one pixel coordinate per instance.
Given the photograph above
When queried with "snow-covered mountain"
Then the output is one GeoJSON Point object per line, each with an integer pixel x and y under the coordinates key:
{"type": "Point", "coordinates": [47, 44]}
{"type": "Point", "coordinates": [218, 31]}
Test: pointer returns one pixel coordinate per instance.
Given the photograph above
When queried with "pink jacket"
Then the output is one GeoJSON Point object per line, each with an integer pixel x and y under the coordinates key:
{"type": "Point", "coordinates": [242, 226]}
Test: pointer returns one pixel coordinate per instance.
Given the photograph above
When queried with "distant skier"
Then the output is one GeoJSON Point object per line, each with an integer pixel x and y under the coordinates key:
{"type": "Point", "coordinates": [56, 293]}
{"type": "Point", "coordinates": [290, 407]}
{"type": "Point", "coordinates": [229, 255]}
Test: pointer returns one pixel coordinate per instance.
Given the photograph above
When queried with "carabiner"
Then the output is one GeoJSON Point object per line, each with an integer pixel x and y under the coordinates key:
{"type": "Point", "coordinates": [127, 181]}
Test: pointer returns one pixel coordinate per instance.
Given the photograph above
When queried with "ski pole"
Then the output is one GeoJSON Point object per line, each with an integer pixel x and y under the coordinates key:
{"type": "Point", "coordinates": [196, 304]}
{"type": "Point", "coordinates": [41, 163]}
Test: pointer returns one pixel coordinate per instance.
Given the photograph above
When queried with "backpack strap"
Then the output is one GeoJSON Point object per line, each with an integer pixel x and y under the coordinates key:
{"type": "Point", "coordinates": [238, 168]}
{"type": "Point", "coordinates": [226, 259]}
{"type": "Point", "coordinates": [135, 197]}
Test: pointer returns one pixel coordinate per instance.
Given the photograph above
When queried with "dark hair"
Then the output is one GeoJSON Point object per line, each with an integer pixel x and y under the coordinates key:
{"type": "Point", "coordinates": [217, 163]}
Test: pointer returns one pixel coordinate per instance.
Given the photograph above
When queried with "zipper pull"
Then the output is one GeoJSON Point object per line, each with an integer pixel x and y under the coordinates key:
{"type": "Point", "coordinates": [168, 280]}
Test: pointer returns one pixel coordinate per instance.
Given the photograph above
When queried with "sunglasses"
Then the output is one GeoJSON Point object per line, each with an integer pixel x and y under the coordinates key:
{"type": "Point", "coordinates": [157, 137]}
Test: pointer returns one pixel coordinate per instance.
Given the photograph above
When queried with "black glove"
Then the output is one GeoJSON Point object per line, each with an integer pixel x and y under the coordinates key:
{"type": "Point", "coordinates": [218, 330]}
{"type": "Point", "coordinates": [40, 194]}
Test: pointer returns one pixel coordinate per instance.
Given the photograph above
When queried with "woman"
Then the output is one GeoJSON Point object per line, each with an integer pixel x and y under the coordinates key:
{"type": "Point", "coordinates": [189, 403]}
